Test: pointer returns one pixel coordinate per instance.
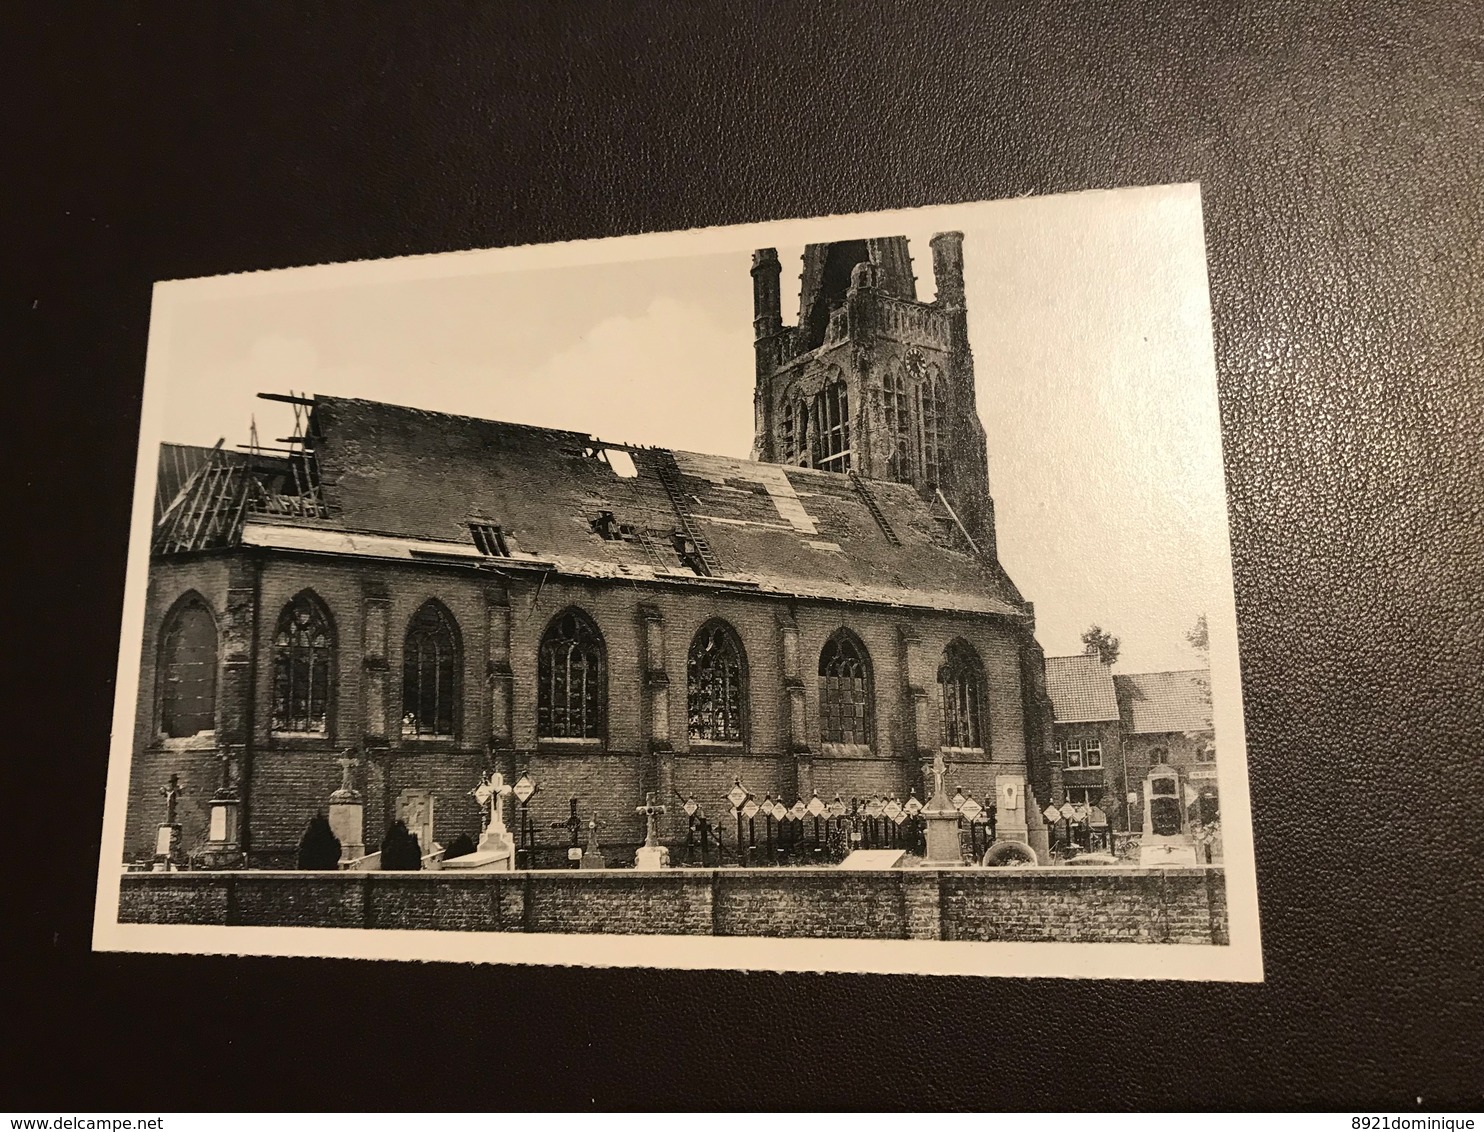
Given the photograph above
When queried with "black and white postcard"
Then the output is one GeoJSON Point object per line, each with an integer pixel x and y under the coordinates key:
{"type": "Point", "coordinates": [845, 594]}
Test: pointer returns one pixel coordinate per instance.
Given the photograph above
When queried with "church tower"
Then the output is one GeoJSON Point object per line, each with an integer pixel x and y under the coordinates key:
{"type": "Point", "coordinates": [871, 381]}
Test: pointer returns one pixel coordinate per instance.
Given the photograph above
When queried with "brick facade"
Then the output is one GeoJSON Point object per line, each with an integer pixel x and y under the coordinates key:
{"type": "Point", "coordinates": [647, 629]}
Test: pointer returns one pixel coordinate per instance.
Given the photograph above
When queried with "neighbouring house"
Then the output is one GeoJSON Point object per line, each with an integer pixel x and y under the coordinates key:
{"type": "Point", "coordinates": [1109, 730]}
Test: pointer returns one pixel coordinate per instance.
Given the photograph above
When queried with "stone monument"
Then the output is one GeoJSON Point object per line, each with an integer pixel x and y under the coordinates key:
{"type": "Point", "coordinates": [348, 813]}
{"type": "Point", "coordinates": [1166, 840]}
{"type": "Point", "coordinates": [496, 851]}
{"type": "Point", "coordinates": [223, 849]}
{"type": "Point", "coordinates": [592, 856]}
{"type": "Point", "coordinates": [415, 811]}
{"type": "Point", "coordinates": [652, 856]}
{"type": "Point", "coordinates": [167, 837]}
{"type": "Point", "coordinates": [943, 844]}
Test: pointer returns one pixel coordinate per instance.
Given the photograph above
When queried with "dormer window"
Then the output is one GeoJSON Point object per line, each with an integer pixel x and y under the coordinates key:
{"type": "Point", "coordinates": [489, 540]}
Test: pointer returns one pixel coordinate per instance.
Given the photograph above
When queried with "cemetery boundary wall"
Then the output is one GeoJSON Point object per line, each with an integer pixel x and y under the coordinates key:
{"type": "Point", "coordinates": [1177, 905]}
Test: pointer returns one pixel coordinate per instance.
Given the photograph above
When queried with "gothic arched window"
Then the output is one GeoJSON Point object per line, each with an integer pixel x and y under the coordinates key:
{"type": "Point", "coordinates": [303, 660]}
{"type": "Point", "coordinates": [187, 672]}
{"type": "Point", "coordinates": [898, 425]}
{"type": "Point", "coordinates": [832, 428]}
{"type": "Point", "coordinates": [930, 416]}
{"type": "Point", "coordinates": [961, 693]}
{"type": "Point", "coordinates": [795, 432]}
{"type": "Point", "coordinates": [845, 690]}
{"type": "Point", "coordinates": [715, 684]}
{"type": "Point", "coordinates": [572, 670]}
{"type": "Point", "coordinates": [430, 674]}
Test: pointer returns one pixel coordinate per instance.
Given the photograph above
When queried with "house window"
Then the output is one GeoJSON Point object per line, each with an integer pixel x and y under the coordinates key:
{"type": "Point", "coordinates": [303, 658]}
{"type": "Point", "coordinates": [929, 414]}
{"type": "Point", "coordinates": [714, 679]}
{"type": "Point", "coordinates": [1092, 753]}
{"type": "Point", "coordinates": [845, 691]}
{"type": "Point", "coordinates": [832, 428]}
{"type": "Point", "coordinates": [1084, 795]}
{"type": "Point", "coordinates": [898, 426]}
{"type": "Point", "coordinates": [1074, 754]}
{"type": "Point", "coordinates": [961, 693]}
{"type": "Point", "coordinates": [188, 672]}
{"type": "Point", "coordinates": [430, 674]}
{"type": "Point", "coordinates": [489, 540]}
{"type": "Point", "coordinates": [572, 674]}
{"type": "Point", "coordinates": [1207, 754]}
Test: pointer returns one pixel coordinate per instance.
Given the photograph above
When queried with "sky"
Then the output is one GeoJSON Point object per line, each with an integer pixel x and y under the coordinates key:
{"type": "Point", "coordinates": [1088, 318]}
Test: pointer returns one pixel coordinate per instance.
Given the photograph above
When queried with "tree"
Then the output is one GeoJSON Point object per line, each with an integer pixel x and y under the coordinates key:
{"type": "Point", "coordinates": [1095, 642]}
{"type": "Point", "coordinates": [400, 850]}
{"type": "Point", "coordinates": [460, 846]}
{"type": "Point", "coordinates": [319, 848]}
{"type": "Point", "coordinates": [1198, 636]}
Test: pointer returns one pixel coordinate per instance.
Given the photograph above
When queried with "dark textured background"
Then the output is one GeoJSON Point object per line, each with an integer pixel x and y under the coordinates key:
{"type": "Point", "coordinates": [1340, 147]}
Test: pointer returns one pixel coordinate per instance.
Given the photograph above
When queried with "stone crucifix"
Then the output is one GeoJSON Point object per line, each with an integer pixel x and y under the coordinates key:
{"type": "Point", "coordinates": [171, 794]}
{"type": "Point", "coordinates": [650, 812]}
{"type": "Point", "coordinates": [228, 759]}
{"type": "Point", "coordinates": [492, 787]}
{"type": "Point", "coordinates": [347, 763]}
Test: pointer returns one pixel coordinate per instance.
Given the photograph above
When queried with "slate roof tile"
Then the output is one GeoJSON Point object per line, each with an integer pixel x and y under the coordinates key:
{"type": "Point", "coordinates": [416, 474]}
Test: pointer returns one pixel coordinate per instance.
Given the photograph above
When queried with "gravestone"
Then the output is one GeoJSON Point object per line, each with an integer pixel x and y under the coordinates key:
{"type": "Point", "coordinates": [573, 825]}
{"type": "Point", "coordinates": [167, 836]}
{"type": "Point", "coordinates": [415, 810]}
{"type": "Point", "coordinates": [652, 856]}
{"type": "Point", "coordinates": [348, 813]}
{"type": "Point", "coordinates": [944, 849]}
{"type": "Point", "coordinates": [1165, 840]}
{"type": "Point", "coordinates": [223, 848]}
{"type": "Point", "coordinates": [496, 852]}
{"type": "Point", "coordinates": [592, 856]}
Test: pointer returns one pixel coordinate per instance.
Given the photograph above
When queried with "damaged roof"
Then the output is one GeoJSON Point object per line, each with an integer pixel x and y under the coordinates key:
{"type": "Point", "coordinates": [1161, 702]}
{"type": "Point", "coordinates": [1081, 689]}
{"type": "Point", "coordinates": [416, 480]}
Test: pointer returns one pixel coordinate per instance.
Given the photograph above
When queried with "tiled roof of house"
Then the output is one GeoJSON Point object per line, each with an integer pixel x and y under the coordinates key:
{"type": "Point", "coordinates": [1081, 689]}
{"type": "Point", "coordinates": [407, 474]}
{"type": "Point", "coordinates": [1158, 702]}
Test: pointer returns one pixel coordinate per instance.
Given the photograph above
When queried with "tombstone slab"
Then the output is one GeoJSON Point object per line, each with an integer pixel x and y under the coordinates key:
{"type": "Point", "coordinates": [482, 861]}
{"type": "Point", "coordinates": [415, 809]}
{"type": "Point", "coordinates": [651, 858]}
{"type": "Point", "coordinates": [873, 859]}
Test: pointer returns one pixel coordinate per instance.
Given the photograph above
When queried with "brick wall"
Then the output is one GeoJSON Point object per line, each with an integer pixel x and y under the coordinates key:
{"type": "Point", "coordinates": [1023, 905]}
{"type": "Point", "coordinates": [370, 605]}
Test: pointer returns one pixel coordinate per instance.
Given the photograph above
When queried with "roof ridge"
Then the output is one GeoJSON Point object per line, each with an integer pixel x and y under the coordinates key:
{"type": "Point", "coordinates": [1161, 672]}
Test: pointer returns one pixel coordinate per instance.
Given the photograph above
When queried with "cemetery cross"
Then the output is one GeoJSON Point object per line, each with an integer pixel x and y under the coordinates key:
{"type": "Point", "coordinates": [650, 812]}
{"type": "Point", "coordinates": [171, 794]}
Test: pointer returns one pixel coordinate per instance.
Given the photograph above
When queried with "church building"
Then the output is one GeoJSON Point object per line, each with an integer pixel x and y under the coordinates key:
{"type": "Point", "coordinates": [440, 596]}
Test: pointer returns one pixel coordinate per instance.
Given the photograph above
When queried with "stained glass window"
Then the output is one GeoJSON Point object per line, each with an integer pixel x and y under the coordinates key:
{"type": "Point", "coordinates": [572, 698]}
{"type": "Point", "coordinates": [303, 649]}
{"type": "Point", "coordinates": [430, 674]}
{"type": "Point", "coordinates": [714, 685]}
{"type": "Point", "coordinates": [961, 693]}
